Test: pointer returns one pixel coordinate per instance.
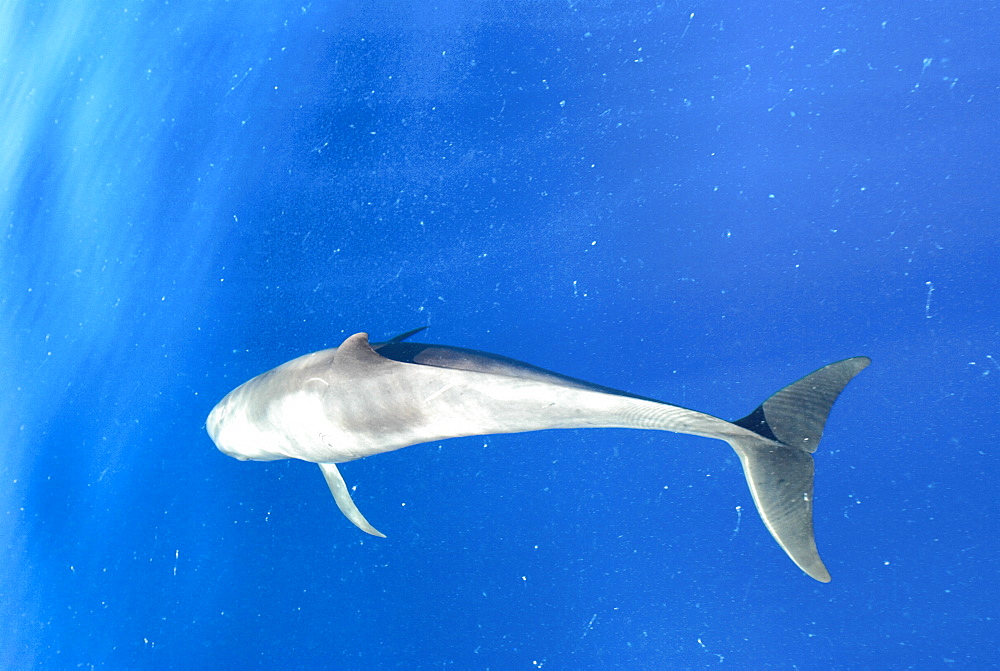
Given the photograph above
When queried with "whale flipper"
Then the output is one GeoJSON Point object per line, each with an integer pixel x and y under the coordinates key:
{"type": "Point", "coordinates": [342, 495]}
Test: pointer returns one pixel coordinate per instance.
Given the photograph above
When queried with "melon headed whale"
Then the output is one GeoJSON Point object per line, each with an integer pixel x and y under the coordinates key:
{"type": "Point", "coordinates": [361, 399]}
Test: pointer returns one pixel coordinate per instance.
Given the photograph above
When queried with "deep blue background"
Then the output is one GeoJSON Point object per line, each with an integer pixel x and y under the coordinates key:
{"type": "Point", "coordinates": [695, 202]}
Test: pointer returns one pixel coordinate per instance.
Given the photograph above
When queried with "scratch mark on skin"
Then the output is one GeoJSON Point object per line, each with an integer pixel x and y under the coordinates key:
{"type": "Point", "coordinates": [439, 392]}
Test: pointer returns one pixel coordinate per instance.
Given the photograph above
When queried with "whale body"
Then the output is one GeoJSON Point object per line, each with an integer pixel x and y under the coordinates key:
{"type": "Point", "coordinates": [362, 399]}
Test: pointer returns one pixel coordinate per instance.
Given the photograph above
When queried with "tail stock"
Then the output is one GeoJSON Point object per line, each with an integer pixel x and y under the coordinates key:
{"type": "Point", "coordinates": [778, 462]}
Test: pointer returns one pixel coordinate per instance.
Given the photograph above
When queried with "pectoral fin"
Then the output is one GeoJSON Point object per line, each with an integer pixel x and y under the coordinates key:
{"type": "Point", "coordinates": [342, 496]}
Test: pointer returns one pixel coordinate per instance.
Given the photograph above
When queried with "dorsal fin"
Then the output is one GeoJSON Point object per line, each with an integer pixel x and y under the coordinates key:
{"type": "Point", "coordinates": [356, 352]}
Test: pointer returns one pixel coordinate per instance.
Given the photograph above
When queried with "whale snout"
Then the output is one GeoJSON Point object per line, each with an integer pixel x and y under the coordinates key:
{"type": "Point", "coordinates": [214, 422]}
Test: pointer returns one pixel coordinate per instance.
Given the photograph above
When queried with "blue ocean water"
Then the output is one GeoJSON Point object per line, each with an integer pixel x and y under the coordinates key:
{"type": "Point", "coordinates": [698, 202]}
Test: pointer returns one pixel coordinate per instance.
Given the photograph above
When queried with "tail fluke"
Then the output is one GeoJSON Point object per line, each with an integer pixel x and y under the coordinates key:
{"type": "Point", "coordinates": [778, 461]}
